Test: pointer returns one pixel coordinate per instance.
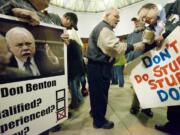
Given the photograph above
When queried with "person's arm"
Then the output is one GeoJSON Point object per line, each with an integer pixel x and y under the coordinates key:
{"type": "Point", "coordinates": [160, 25]}
{"type": "Point", "coordinates": [5, 7]}
{"type": "Point", "coordinates": [52, 57]}
{"type": "Point", "coordinates": [139, 46]}
{"type": "Point", "coordinates": [163, 15]}
{"type": "Point", "coordinates": [15, 9]}
{"type": "Point", "coordinates": [27, 14]}
{"type": "Point", "coordinates": [109, 43]}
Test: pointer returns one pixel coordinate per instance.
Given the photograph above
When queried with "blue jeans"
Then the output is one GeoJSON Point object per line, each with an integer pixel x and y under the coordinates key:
{"type": "Point", "coordinates": [114, 77]}
{"type": "Point", "coordinates": [76, 96]}
{"type": "Point", "coordinates": [119, 75]}
{"type": "Point", "coordinates": [83, 81]}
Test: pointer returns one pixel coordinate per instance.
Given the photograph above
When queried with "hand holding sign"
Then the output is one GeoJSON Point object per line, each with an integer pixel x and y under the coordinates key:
{"type": "Point", "coordinates": [139, 46]}
{"type": "Point", "coordinates": [65, 38]}
{"type": "Point", "coordinates": [31, 16]}
{"type": "Point", "coordinates": [156, 78]}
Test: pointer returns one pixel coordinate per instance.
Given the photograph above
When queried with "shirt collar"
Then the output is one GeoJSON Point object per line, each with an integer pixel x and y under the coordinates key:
{"type": "Point", "coordinates": [21, 63]}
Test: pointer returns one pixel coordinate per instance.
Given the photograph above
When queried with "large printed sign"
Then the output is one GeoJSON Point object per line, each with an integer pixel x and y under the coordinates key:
{"type": "Point", "coordinates": [30, 107]}
{"type": "Point", "coordinates": [33, 104]}
{"type": "Point", "coordinates": [156, 77]}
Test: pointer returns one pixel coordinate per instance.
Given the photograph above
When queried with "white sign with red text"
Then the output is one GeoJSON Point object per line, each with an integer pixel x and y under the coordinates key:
{"type": "Point", "coordinates": [156, 78]}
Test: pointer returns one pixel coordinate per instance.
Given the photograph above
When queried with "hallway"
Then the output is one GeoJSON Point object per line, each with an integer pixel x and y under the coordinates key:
{"type": "Point", "coordinates": [118, 111]}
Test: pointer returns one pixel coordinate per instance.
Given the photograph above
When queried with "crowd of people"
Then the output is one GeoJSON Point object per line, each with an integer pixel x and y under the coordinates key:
{"type": "Point", "coordinates": [20, 58]}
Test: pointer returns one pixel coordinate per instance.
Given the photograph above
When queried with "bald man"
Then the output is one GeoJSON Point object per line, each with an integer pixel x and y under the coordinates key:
{"type": "Point", "coordinates": [103, 46]}
{"type": "Point", "coordinates": [8, 74]}
{"type": "Point", "coordinates": [25, 56]}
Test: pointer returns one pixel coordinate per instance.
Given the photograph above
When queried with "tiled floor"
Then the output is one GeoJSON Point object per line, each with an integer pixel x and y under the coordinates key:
{"type": "Point", "coordinates": [118, 111]}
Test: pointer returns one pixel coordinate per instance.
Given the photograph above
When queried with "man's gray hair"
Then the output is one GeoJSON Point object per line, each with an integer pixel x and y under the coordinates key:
{"type": "Point", "coordinates": [110, 10]}
{"type": "Point", "coordinates": [10, 34]}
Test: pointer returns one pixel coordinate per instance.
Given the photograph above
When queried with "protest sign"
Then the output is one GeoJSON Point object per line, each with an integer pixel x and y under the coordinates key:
{"type": "Point", "coordinates": [33, 104]}
{"type": "Point", "coordinates": [156, 74]}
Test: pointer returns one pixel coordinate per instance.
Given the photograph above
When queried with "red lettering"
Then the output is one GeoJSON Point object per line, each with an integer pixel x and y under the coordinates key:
{"type": "Point", "coordinates": [178, 60]}
{"type": "Point", "coordinates": [152, 84]}
{"type": "Point", "coordinates": [145, 77]}
{"type": "Point", "coordinates": [160, 82]}
{"type": "Point", "coordinates": [157, 70]}
{"type": "Point", "coordinates": [173, 45]}
{"type": "Point", "coordinates": [178, 76]}
{"type": "Point", "coordinates": [164, 68]}
{"type": "Point", "coordinates": [173, 81]}
{"type": "Point", "coordinates": [138, 78]}
{"type": "Point", "coordinates": [173, 66]}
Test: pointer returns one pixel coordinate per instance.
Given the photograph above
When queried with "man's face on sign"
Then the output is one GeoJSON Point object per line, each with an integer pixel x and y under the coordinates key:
{"type": "Point", "coordinates": [21, 44]}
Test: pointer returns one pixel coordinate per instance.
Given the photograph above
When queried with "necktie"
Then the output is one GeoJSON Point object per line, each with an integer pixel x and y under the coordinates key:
{"type": "Point", "coordinates": [27, 65]}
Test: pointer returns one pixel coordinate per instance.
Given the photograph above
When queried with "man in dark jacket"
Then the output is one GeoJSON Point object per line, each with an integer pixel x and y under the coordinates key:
{"type": "Point", "coordinates": [103, 46]}
{"type": "Point", "coordinates": [134, 37]}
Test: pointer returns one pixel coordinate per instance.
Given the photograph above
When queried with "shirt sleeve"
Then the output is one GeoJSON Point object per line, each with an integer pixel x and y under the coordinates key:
{"type": "Point", "coordinates": [160, 23]}
{"type": "Point", "coordinates": [163, 15]}
{"type": "Point", "coordinates": [109, 43]}
{"type": "Point", "coordinates": [74, 35]}
{"type": "Point", "coordinates": [6, 7]}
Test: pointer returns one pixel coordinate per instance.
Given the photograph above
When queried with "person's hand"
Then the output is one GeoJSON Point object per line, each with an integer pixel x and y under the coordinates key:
{"type": "Point", "coordinates": [51, 55]}
{"type": "Point", "coordinates": [31, 16]}
{"type": "Point", "coordinates": [34, 19]}
{"type": "Point", "coordinates": [65, 38]}
{"type": "Point", "coordinates": [139, 46]}
{"type": "Point", "coordinates": [159, 41]}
